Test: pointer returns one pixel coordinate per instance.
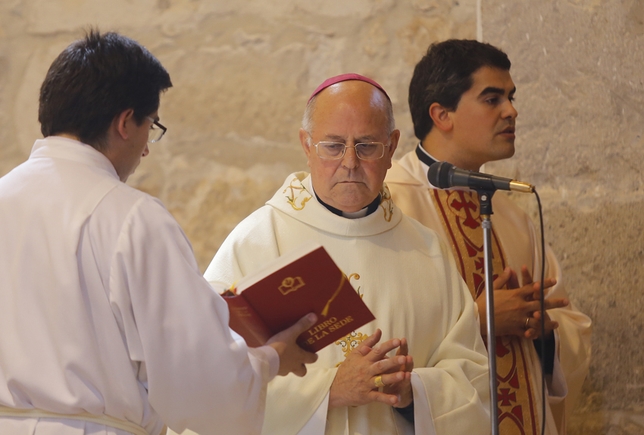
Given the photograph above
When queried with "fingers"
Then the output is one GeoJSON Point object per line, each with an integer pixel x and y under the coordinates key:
{"type": "Point", "coordinates": [533, 330]}
{"type": "Point", "coordinates": [526, 277]}
{"type": "Point", "coordinates": [555, 303]}
{"type": "Point", "coordinates": [365, 347]}
{"type": "Point", "coordinates": [291, 333]}
{"type": "Point", "coordinates": [502, 279]}
{"type": "Point", "coordinates": [292, 357]}
{"type": "Point", "coordinates": [547, 283]}
{"type": "Point", "coordinates": [389, 379]}
{"type": "Point", "coordinates": [299, 371]}
{"type": "Point", "coordinates": [355, 380]}
{"type": "Point", "coordinates": [380, 351]}
{"type": "Point", "coordinates": [393, 365]}
{"type": "Point", "coordinates": [548, 321]}
{"type": "Point", "coordinates": [513, 282]}
{"type": "Point", "coordinates": [535, 304]}
{"type": "Point", "coordinates": [403, 349]}
{"type": "Point", "coordinates": [409, 364]}
{"type": "Point", "coordinates": [387, 387]}
{"type": "Point", "coordinates": [387, 399]}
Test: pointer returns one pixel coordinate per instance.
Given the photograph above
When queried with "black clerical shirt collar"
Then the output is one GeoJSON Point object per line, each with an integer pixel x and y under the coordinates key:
{"type": "Point", "coordinates": [358, 214]}
{"type": "Point", "coordinates": [424, 156]}
{"type": "Point", "coordinates": [426, 159]}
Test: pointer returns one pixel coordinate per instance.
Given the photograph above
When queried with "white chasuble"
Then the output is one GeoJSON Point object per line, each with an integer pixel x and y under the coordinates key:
{"type": "Point", "coordinates": [408, 279]}
{"type": "Point", "coordinates": [454, 216]}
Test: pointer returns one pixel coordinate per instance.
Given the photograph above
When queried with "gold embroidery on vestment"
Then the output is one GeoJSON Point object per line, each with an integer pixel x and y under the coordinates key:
{"type": "Point", "coordinates": [386, 203]}
{"type": "Point", "coordinates": [298, 196]}
{"type": "Point", "coordinates": [352, 340]}
{"type": "Point", "coordinates": [459, 212]}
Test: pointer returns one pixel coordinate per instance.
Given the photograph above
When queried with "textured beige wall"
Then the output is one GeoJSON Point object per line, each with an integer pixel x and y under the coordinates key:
{"type": "Point", "coordinates": [243, 71]}
{"type": "Point", "coordinates": [578, 66]}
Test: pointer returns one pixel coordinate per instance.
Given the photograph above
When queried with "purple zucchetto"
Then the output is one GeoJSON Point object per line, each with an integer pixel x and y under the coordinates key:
{"type": "Point", "coordinates": [343, 78]}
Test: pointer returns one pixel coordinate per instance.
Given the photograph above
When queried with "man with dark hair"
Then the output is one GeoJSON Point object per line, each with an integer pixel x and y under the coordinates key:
{"type": "Point", "coordinates": [460, 98]}
{"type": "Point", "coordinates": [438, 381]}
{"type": "Point", "coordinates": [108, 326]}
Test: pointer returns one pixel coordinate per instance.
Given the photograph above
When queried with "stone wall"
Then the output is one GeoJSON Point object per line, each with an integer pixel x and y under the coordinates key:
{"type": "Point", "coordinates": [578, 69]}
{"type": "Point", "coordinates": [242, 72]}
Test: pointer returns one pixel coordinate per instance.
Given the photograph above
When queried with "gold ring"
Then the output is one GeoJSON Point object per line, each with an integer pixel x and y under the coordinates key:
{"type": "Point", "coordinates": [378, 382]}
{"type": "Point", "coordinates": [527, 319]}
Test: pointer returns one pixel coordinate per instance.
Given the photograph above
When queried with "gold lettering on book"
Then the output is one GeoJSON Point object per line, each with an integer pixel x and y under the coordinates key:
{"type": "Point", "coordinates": [323, 329]}
{"type": "Point", "coordinates": [291, 284]}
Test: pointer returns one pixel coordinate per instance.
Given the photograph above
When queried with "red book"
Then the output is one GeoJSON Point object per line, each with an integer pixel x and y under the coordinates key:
{"type": "Point", "coordinates": [300, 282]}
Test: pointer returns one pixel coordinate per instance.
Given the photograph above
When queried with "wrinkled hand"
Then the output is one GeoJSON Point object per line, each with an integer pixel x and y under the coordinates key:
{"type": "Point", "coordinates": [403, 388]}
{"type": "Point", "coordinates": [514, 305]}
{"type": "Point", "coordinates": [292, 357]}
{"type": "Point", "coordinates": [354, 382]}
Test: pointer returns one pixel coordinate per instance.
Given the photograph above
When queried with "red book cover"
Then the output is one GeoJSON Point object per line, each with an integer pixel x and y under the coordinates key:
{"type": "Point", "coordinates": [299, 282]}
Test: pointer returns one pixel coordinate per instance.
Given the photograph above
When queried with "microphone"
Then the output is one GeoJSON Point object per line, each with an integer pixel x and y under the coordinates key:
{"type": "Point", "coordinates": [445, 175]}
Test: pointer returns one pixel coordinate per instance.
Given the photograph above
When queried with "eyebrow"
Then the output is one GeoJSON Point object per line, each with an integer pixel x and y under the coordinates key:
{"type": "Point", "coordinates": [336, 138]}
{"type": "Point", "coordinates": [495, 90]}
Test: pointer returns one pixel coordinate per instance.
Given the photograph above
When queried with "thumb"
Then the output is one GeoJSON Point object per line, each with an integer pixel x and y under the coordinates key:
{"type": "Point", "coordinates": [293, 331]}
{"type": "Point", "coordinates": [303, 324]}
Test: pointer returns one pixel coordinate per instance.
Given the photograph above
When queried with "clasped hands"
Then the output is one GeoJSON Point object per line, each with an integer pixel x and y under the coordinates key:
{"type": "Point", "coordinates": [356, 379]}
{"type": "Point", "coordinates": [517, 309]}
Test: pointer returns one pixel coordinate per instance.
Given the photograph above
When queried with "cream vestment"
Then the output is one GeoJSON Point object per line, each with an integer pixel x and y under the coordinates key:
{"type": "Point", "coordinates": [408, 279]}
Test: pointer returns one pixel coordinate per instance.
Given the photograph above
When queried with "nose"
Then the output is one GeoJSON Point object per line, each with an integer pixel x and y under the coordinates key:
{"type": "Point", "coordinates": [509, 111]}
{"type": "Point", "coordinates": [146, 151]}
{"type": "Point", "coordinates": [350, 159]}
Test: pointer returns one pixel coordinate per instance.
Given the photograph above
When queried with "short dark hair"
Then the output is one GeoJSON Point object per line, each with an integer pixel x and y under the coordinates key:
{"type": "Point", "coordinates": [444, 74]}
{"type": "Point", "coordinates": [94, 80]}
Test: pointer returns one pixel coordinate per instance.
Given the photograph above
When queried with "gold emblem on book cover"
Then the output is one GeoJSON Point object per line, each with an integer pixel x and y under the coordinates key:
{"type": "Point", "coordinates": [291, 284]}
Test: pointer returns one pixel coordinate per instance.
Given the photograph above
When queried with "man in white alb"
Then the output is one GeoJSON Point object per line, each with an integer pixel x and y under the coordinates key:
{"type": "Point", "coordinates": [437, 383]}
{"type": "Point", "coordinates": [107, 325]}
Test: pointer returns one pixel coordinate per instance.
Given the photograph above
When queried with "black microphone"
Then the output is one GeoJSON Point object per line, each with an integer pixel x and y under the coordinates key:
{"type": "Point", "coordinates": [445, 175]}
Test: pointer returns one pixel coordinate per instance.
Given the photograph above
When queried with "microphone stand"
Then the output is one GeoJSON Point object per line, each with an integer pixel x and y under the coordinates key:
{"type": "Point", "coordinates": [485, 198]}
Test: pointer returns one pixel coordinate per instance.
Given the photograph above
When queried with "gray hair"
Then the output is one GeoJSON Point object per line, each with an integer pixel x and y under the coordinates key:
{"type": "Point", "coordinates": [307, 118]}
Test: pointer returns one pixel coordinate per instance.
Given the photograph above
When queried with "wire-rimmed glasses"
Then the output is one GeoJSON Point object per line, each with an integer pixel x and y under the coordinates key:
{"type": "Point", "coordinates": [364, 150]}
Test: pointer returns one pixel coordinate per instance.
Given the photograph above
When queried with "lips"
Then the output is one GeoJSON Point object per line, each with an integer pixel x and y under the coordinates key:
{"type": "Point", "coordinates": [507, 132]}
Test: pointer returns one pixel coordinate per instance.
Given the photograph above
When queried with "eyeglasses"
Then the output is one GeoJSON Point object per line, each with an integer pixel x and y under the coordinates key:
{"type": "Point", "coordinates": [337, 150]}
{"type": "Point", "coordinates": [157, 130]}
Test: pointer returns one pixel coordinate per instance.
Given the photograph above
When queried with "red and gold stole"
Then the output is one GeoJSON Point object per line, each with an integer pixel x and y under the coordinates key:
{"type": "Point", "coordinates": [459, 211]}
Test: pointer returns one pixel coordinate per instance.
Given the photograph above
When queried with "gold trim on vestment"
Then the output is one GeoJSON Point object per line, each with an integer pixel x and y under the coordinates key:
{"type": "Point", "coordinates": [298, 196]}
{"type": "Point", "coordinates": [386, 203]}
{"type": "Point", "coordinates": [459, 212]}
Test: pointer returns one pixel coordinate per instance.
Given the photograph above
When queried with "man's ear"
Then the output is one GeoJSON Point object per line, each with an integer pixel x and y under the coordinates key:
{"type": "Point", "coordinates": [393, 144]}
{"type": "Point", "coordinates": [122, 123]}
{"type": "Point", "coordinates": [304, 141]}
{"type": "Point", "coordinates": [441, 117]}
